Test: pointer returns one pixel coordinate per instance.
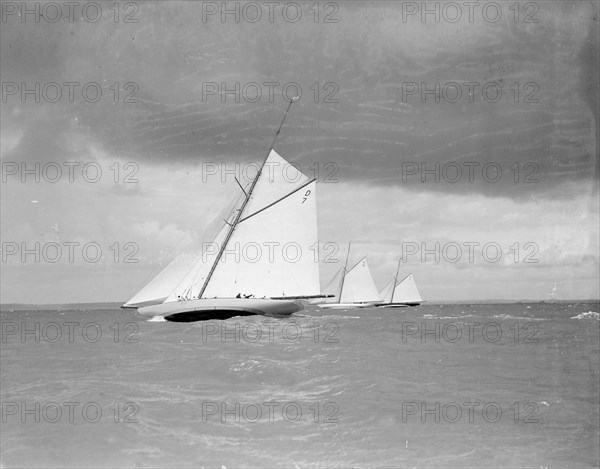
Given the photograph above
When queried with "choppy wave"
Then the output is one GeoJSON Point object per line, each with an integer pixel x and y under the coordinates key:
{"type": "Point", "coordinates": [520, 318]}
{"type": "Point", "coordinates": [157, 319]}
{"type": "Point", "coordinates": [588, 315]}
{"type": "Point", "coordinates": [503, 316]}
{"type": "Point", "coordinates": [462, 316]}
{"type": "Point", "coordinates": [332, 316]}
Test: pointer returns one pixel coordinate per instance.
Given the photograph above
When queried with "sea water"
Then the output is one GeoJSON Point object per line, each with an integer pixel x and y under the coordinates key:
{"type": "Point", "coordinates": [503, 385]}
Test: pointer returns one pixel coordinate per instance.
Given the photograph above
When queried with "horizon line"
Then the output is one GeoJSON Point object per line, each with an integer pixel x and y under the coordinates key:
{"type": "Point", "coordinates": [432, 302]}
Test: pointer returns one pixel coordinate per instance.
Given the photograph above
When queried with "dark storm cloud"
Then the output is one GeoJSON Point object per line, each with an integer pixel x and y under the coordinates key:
{"type": "Point", "coordinates": [373, 130]}
{"type": "Point", "coordinates": [590, 64]}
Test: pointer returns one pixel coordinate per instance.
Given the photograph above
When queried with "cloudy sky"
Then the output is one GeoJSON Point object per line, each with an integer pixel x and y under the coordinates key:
{"type": "Point", "coordinates": [138, 95]}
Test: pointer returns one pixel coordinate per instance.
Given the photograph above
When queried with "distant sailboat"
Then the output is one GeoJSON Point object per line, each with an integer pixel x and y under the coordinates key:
{"type": "Point", "coordinates": [552, 296]}
{"type": "Point", "coordinates": [399, 295]}
{"type": "Point", "coordinates": [352, 288]}
{"type": "Point", "coordinates": [272, 214]}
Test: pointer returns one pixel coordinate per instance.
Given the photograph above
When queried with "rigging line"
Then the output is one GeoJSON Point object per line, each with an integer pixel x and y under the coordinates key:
{"type": "Point", "coordinates": [405, 278]}
{"type": "Point", "coordinates": [293, 100]}
{"type": "Point", "coordinates": [238, 263]}
{"type": "Point", "coordinates": [277, 201]}
{"type": "Point", "coordinates": [397, 272]}
{"type": "Point", "coordinates": [396, 280]}
{"type": "Point", "coordinates": [197, 270]}
{"type": "Point", "coordinates": [236, 180]}
{"type": "Point", "coordinates": [248, 195]}
{"type": "Point", "coordinates": [344, 274]}
{"type": "Point", "coordinates": [356, 265]}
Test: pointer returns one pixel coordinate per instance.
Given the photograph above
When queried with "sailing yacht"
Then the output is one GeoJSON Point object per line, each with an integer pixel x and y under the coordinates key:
{"type": "Point", "coordinates": [275, 214]}
{"type": "Point", "coordinates": [353, 288]}
{"type": "Point", "coordinates": [552, 296]}
{"type": "Point", "coordinates": [399, 295]}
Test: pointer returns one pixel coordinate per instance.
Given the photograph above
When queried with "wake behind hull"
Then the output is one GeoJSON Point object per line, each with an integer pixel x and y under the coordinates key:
{"type": "Point", "coordinates": [213, 307]}
{"type": "Point", "coordinates": [396, 305]}
{"type": "Point", "coordinates": [345, 305]}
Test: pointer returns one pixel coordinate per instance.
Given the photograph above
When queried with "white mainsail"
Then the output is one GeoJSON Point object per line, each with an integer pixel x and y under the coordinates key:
{"type": "Point", "coordinates": [407, 292]}
{"type": "Point", "coordinates": [271, 251]}
{"type": "Point", "coordinates": [359, 286]}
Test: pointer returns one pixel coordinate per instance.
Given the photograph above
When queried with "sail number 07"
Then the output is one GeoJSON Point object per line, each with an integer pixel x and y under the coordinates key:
{"type": "Point", "coordinates": [306, 194]}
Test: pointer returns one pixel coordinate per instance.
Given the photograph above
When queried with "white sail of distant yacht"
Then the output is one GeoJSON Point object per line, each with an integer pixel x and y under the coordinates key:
{"type": "Point", "coordinates": [552, 296]}
{"type": "Point", "coordinates": [407, 292]}
{"type": "Point", "coordinates": [398, 295]}
{"type": "Point", "coordinates": [259, 259]}
{"type": "Point", "coordinates": [353, 288]}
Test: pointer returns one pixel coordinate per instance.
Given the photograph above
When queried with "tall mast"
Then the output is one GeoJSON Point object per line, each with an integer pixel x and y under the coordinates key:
{"type": "Point", "coordinates": [395, 280]}
{"type": "Point", "coordinates": [241, 210]}
{"type": "Point", "coordinates": [344, 273]}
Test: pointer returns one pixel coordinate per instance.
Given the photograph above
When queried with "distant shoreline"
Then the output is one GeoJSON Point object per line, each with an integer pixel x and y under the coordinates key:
{"type": "Point", "coordinates": [116, 305]}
